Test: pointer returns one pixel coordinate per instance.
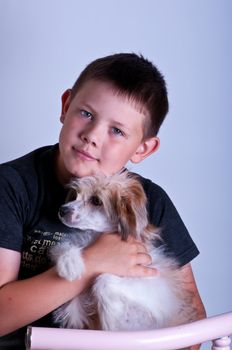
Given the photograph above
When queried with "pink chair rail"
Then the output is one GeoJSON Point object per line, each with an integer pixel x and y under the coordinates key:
{"type": "Point", "coordinates": [216, 328]}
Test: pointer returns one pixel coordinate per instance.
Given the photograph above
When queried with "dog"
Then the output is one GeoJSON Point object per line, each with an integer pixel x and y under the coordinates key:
{"type": "Point", "coordinates": [117, 203]}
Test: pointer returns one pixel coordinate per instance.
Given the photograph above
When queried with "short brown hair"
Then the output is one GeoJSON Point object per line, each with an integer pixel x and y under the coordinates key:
{"type": "Point", "coordinates": [134, 77]}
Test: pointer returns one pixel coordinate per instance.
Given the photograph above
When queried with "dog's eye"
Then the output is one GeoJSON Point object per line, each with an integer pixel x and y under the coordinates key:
{"type": "Point", "coordinates": [95, 200]}
{"type": "Point", "coordinates": [71, 196]}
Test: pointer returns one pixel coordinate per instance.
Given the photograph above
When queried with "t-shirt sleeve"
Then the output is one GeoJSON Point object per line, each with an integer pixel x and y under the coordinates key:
{"type": "Point", "coordinates": [163, 214]}
{"type": "Point", "coordinates": [13, 208]}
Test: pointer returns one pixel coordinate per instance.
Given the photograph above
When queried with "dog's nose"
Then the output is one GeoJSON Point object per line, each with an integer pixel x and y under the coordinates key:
{"type": "Point", "coordinates": [64, 211]}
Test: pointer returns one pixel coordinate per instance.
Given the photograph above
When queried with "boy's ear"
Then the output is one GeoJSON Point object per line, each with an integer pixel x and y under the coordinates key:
{"type": "Point", "coordinates": [65, 102]}
{"type": "Point", "coordinates": [145, 149]}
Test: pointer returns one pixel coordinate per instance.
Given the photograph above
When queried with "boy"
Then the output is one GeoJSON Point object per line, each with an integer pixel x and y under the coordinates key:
{"type": "Point", "coordinates": [110, 116]}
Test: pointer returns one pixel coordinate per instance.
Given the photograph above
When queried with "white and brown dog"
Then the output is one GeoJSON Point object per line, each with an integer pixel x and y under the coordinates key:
{"type": "Point", "coordinates": [117, 203]}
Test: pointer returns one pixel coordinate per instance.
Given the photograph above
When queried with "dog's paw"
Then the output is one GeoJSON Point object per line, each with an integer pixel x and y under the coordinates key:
{"type": "Point", "coordinates": [70, 264]}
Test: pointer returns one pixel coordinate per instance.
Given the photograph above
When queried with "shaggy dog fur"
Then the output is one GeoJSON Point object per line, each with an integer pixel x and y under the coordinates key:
{"type": "Point", "coordinates": [117, 203]}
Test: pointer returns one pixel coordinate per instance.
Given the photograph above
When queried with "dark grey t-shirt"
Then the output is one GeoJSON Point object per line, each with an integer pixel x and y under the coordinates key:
{"type": "Point", "coordinates": [30, 197]}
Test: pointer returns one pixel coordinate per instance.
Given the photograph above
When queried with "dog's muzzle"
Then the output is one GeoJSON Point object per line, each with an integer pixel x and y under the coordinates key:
{"type": "Point", "coordinates": [65, 212]}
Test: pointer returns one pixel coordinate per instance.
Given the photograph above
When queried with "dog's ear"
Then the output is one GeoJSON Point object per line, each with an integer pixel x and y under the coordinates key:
{"type": "Point", "coordinates": [130, 209]}
{"type": "Point", "coordinates": [126, 218]}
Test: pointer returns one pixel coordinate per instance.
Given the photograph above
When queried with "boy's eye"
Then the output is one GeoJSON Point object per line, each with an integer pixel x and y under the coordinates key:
{"type": "Point", "coordinates": [86, 114]}
{"type": "Point", "coordinates": [117, 131]}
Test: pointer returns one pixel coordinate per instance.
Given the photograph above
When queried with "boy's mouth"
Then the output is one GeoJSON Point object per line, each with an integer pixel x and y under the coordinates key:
{"type": "Point", "coordinates": [83, 154]}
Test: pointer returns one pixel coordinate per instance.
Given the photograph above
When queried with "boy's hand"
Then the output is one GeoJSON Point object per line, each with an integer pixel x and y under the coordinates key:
{"type": "Point", "coordinates": [109, 254]}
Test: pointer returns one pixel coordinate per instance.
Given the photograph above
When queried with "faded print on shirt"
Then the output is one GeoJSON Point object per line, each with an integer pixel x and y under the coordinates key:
{"type": "Point", "coordinates": [36, 245]}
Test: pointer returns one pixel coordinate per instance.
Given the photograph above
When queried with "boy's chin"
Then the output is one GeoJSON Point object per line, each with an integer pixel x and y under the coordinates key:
{"type": "Point", "coordinates": [84, 172]}
{"type": "Point", "coordinates": [91, 172]}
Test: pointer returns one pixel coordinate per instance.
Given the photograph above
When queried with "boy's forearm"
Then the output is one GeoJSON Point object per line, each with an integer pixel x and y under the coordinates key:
{"type": "Point", "coordinates": [201, 315]}
{"type": "Point", "coordinates": [190, 284]}
{"type": "Point", "coordinates": [24, 301]}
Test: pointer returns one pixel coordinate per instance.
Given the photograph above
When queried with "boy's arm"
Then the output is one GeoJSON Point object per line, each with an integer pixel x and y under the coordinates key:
{"type": "Point", "coordinates": [190, 284]}
{"type": "Point", "coordinates": [24, 301]}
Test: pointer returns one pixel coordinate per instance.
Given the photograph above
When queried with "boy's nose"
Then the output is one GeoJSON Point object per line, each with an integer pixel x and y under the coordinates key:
{"type": "Point", "coordinates": [88, 139]}
{"type": "Point", "coordinates": [92, 135]}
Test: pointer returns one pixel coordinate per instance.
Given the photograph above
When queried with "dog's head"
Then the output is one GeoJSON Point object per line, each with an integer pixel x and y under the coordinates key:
{"type": "Point", "coordinates": [106, 203]}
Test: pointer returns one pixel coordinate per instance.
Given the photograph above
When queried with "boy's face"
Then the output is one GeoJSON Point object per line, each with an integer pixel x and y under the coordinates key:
{"type": "Point", "coordinates": [101, 132]}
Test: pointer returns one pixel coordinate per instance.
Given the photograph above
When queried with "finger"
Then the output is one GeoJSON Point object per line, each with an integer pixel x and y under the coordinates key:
{"type": "Point", "coordinates": [144, 271]}
{"type": "Point", "coordinates": [143, 259]}
{"type": "Point", "coordinates": [141, 248]}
